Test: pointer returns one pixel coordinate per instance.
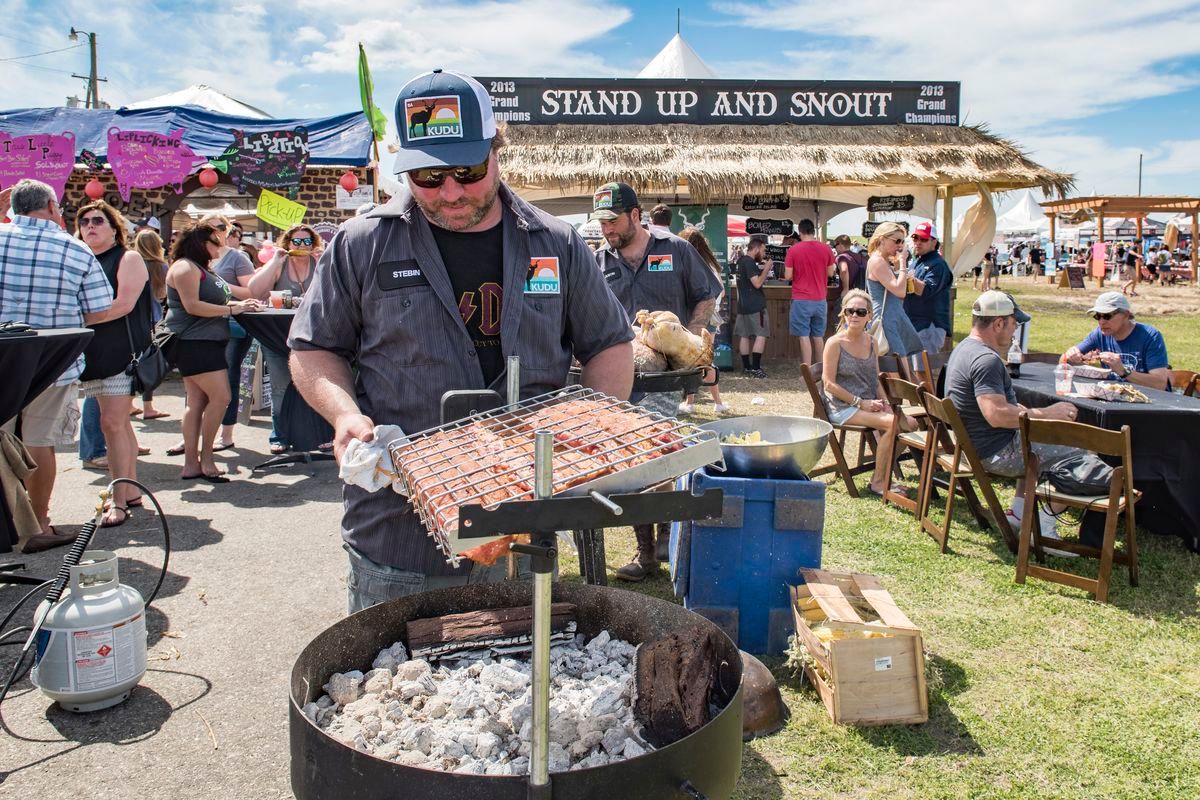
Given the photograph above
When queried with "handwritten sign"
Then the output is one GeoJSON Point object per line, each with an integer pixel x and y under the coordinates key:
{"type": "Point", "coordinates": [44, 157]}
{"type": "Point", "coordinates": [770, 227]}
{"type": "Point", "coordinates": [269, 159]}
{"type": "Point", "coordinates": [351, 201]}
{"type": "Point", "coordinates": [147, 160]}
{"type": "Point", "coordinates": [766, 202]}
{"type": "Point", "coordinates": [868, 228]}
{"type": "Point", "coordinates": [277, 210]}
{"type": "Point", "coordinates": [776, 252]}
{"type": "Point", "coordinates": [1072, 277]}
{"type": "Point", "coordinates": [891, 202]}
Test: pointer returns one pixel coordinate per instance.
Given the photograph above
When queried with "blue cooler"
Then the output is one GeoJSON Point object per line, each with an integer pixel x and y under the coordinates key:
{"type": "Point", "coordinates": [736, 570]}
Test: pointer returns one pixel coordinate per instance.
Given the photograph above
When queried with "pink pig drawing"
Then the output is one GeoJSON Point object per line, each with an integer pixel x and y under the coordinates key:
{"type": "Point", "coordinates": [147, 160]}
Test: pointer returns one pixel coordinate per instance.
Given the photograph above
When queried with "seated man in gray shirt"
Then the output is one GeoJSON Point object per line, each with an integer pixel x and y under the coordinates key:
{"type": "Point", "coordinates": [978, 384]}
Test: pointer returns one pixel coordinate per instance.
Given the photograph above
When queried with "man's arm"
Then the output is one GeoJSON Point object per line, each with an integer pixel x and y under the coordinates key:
{"type": "Point", "coordinates": [999, 413]}
{"type": "Point", "coordinates": [1154, 379]}
{"type": "Point", "coordinates": [701, 314]}
{"type": "Point", "coordinates": [610, 371]}
{"type": "Point", "coordinates": [325, 381]}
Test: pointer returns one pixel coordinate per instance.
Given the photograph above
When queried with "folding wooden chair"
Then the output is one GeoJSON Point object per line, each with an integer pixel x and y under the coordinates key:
{"type": "Point", "coordinates": [811, 373]}
{"type": "Point", "coordinates": [955, 446]}
{"type": "Point", "coordinates": [904, 395]}
{"type": "Point", "coordinates": [1184, 379]}
{"type": "Point", "coordinates": [1120, 499]}
{"type": "Point", "coordinates": [931, 368]}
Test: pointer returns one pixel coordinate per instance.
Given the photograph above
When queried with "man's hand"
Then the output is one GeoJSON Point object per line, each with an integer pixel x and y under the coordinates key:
{"type": "Point", "coordinates": [1112, 361]}
{"type": "Point", "coordinates": [1061, 410]}
{"type": "Point", "coordinates": [349, 427]}
{"type": "Point", "coordinates": [701, 314]}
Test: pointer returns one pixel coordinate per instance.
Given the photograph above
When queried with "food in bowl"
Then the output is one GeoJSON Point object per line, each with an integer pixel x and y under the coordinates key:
{"type": "Point", "coordinates": [750, 437]}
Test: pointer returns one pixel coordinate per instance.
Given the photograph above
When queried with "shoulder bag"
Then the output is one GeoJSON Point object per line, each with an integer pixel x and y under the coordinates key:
{"type": "Point", "coordinates": [149, 368]}
{"type": "Point", "coordinates": [875, 329]}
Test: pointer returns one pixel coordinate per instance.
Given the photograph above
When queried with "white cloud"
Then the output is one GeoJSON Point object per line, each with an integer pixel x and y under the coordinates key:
{"type": "Point", "coordinates": [307, 34]}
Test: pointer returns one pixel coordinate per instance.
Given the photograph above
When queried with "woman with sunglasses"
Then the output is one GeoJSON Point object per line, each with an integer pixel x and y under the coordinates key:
{"type": "Point", "coordinates": [199, 306]}
{"type": "Point", "coordinates": [291, 269]}
{"type": "Point", "coordinates": [888, 288]}
{"type": "Point", "coordinates": [124, 333]}
{"type": "Point", "coordinates": [851, 387]}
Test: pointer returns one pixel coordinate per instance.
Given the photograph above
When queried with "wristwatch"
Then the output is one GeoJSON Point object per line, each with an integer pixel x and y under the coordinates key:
{"type": "Point", "coordinates": [1127, 372]}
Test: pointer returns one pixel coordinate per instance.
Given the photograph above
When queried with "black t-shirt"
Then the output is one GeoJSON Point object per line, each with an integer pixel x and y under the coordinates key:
{"type": "Point", "coordinates": [1131, 258]}
{"type": "Point", "coordinates": [1035, 255]}
{"type": "Point", "coordinates": [475, 263]}
{"type": "Point", "coordinates": [751, 299]}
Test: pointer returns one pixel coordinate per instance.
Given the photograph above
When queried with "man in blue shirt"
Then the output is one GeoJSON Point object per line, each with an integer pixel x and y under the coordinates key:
{"type": "Point", "coordinates": [1134, 351]}
{"type": "Point", "coordinates": [928, 307]}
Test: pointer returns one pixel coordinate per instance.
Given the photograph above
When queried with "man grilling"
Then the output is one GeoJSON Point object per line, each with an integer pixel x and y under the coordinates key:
{"type": "Point", "coordinates": [651, 270]}
{"type": "Point", "coordinates": [430, 293]}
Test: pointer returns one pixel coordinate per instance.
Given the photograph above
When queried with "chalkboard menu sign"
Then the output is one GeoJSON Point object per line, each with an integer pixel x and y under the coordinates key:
{"type": "Point", "coordinates": [267, 159]}
{"type": "Point", "coordinates": [895, 202]}
{"type": "Point", "coordinates": [868, 228]}
{"type": "Point", "coordinates": [776, 252]}
{"type": "Point", "coordinates": [770, 227]}
{"type": "Point", "coordinates": [1075, 278]}
{"type": "Point", "coordinates": [766, 202]}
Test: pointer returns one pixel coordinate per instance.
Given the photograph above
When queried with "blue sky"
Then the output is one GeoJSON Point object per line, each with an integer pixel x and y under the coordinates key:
{"type": "Point", "coordinates": [1083, 86]}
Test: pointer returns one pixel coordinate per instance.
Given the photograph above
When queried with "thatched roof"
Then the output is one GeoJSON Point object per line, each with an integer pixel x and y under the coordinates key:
{"type": "Point", "coordinates": [725, 161]}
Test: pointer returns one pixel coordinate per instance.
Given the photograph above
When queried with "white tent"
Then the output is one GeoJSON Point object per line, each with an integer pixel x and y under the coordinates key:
{"type": "Point", "coordinates": [677, 60]}
{"type": "Point", "coordinates": [1025, 217]}
{"type": "Point", "coordinates": [205, 97]}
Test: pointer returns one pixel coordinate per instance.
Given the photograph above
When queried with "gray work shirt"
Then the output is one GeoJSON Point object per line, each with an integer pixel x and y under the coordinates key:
{"type": "Point", "coordinates": [670, 277]}
{"type": "Point", "coordinates": [382, 299]}
{"type": "Point", "coordinates": [974, 369]}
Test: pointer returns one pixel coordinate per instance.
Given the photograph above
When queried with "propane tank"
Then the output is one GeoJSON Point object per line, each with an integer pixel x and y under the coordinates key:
{"type": "Point", "coordinates": [91, 650]}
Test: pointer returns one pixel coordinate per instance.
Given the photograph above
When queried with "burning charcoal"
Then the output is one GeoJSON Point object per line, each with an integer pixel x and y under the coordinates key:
{"type": "Point", "coordinates": [310, 710]}
{"type": "Point", "coordinates": [614, 740]}
{"type": "Point", "coordinates": [633, 749]}
{"type": "Point", "coordinates": [390, 657]}
{"type": "Point", "coordinates": [417, 737]}
{"type": "Point", "coordinates": [610, 700]}
{"type": "Point", "coordinates": [469, 766]}
{"type": "Point", "coordinates": [411, 758]}
{"type": "Point", "coordinates": [597, 644]}
{"type": "Point", "coordinates": [344, 687]}
{"type": "Point", "coordinates": [367, 705]}
{"type": "Point", "coordinates": [597, 724]}
{"type": "Point", "coordinates": [559, 760]}
{"type": "Point", "coordinates": [413, 670]}
{"type": "Point", "coordinates": [377, 680]}
{"type": "Point", "coordinates": [437, 707]}
{"type": "Point", "coordinates": [597, 759]}
{"type": "Point", "coordinates": [500, 678]}
{"type": "Point", "coordinates": [502, 768]}
{"type": "Point", "coordinates": [563, 729]}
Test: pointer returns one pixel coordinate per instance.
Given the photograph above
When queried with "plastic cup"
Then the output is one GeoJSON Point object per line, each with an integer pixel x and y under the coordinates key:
{"type": "Point", "coordinates": [276, 299]}
{"type": "Point", "coordinates": [1064, 379]}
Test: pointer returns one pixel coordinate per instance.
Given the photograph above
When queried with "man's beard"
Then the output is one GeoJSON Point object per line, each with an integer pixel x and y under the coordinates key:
{"type": "Point", "coordinates": [623, 240]}
{"type": "Point", "coordinates": [480, 208]}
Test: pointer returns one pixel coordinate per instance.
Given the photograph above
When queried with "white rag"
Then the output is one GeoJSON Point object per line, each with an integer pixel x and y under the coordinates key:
{"type": "Point", "coordinates": [368, 465]}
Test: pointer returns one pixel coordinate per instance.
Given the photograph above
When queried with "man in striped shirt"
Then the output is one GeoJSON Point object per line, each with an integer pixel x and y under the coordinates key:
{"type": "Point", "coordinates": [50, 280]}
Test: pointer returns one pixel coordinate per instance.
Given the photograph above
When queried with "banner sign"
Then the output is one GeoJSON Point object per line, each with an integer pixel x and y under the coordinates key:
{"type": "Point", "coordinates": [766, 202]}
{"type": "Point", "coordinates": [269, 159]}
{"type": "Point", "coordinates": [770, 227]}
{"type": "Point", "coordinates": [633, 101]}
{"type": "Point", "coordinates": [896, 202]}
{"type": "Point", "coordinates": [147, 160]}
{"type": "Point", "coordinates": [351, 201]}
{"type": "Point", "coordinates": [326, 229]}
{"type": "Point", "coordinates": [868, 228]}
{"type": "Point", "coordinates": [712, 221]}
{"type": "Point", "coordinates": [45, 157]}
{"type": "Point", "coordinates": [277, 210]}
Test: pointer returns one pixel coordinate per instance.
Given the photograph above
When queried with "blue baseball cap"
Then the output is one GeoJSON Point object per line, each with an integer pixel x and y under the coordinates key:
{"type": "Point", "coordinates": [445, 120]}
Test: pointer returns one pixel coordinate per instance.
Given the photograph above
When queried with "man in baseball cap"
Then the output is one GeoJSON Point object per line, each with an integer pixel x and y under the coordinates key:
{"type": "Point", "coordinates": [1133, 350]}
{"type": "Point", "coordinates": [928, 307]}
{"type": "Point", "coordinates": [428, 294]}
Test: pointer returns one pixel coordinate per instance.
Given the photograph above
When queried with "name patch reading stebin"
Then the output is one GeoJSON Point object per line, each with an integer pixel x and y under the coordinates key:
{"type": "Point", "coordinates": [400, 275]}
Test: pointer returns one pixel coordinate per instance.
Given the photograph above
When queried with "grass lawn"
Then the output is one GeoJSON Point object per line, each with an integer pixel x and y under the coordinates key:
{"type": "Point", "coordinates": [1034, 690]}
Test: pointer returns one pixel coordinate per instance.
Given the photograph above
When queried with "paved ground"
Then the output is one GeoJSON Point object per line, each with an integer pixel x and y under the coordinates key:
{"type": "Point", "coordinates": [256, 570]}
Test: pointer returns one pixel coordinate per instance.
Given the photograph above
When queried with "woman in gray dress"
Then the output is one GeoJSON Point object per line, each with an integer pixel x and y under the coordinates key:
{"type": "Point", "coordinates": [851, 387]}
{"type": "Point", "coordinates": [889, 288]}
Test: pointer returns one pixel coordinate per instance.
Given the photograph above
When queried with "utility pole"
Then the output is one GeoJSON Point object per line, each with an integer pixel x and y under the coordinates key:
{"type": "Point", "coordinates": [1139, 174]}
{"type": "Point", "coordinates": [93, 91]}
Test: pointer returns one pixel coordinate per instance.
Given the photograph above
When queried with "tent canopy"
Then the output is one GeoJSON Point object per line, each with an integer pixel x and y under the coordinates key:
{"type": "Point", "coordinates": [677, 60]}
{"type": "Point", "coordinates": [1025, 217]}
{"type": "Point", "coordinates": [205, 97]}
{"type": "Point", "coordinates": [341, 140]}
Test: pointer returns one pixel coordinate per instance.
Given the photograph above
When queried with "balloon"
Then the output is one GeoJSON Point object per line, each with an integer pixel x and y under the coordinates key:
{"type": "Point", "coordinates": [208, 177]}
{"type": "Point", "coordinates": [266, 253]}
{"type": "Point", "coordinates": [349, 181]}
{"type": "Point", "coordinates": [94, 189]}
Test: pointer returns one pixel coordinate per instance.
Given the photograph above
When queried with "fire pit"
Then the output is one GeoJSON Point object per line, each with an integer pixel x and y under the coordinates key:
{"type": "Point", "coordinates": [702, 765]}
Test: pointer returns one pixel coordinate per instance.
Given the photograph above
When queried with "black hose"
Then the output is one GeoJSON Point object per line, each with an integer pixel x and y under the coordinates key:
{"type": "Point", "coordinates": [59, 582]}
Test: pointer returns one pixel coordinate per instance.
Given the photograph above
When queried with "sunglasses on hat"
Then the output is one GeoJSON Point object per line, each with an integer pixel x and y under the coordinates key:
{"type": "Point", "coordinates": [433, 177]}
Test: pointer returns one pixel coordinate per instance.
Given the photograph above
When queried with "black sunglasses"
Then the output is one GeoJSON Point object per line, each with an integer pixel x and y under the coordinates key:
{"type": "Point", "coordinates": [220, 226]}
{"type": "Point", "coordinates": [100, 220]}
{"type": "Point", "coordinates": [303, 241]}
{"type": "Point", "coordinates": [433, 177]}
{"type": "Point", "coordinates": [1105, 317]}
{"type": "Point", "coordinates": [856, 312]}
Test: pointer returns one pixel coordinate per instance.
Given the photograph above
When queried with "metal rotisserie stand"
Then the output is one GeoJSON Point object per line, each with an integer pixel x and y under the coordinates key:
{"type": "Point", "coordinates": [464, 499]}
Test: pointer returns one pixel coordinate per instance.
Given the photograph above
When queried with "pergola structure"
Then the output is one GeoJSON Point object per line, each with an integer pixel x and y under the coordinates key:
{"type": "Point", "coordinates": [1136, 206]}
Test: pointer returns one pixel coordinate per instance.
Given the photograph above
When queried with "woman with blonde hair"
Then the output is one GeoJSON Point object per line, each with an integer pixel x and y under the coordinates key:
{"type": "Point", "coordinates": [888, 287]}
{"type": "Point", "coordinates": [851, 387]}
{"type": "Point", "coordinates": [148, 245]}
{"type": "Point", "coordinates": [292, 268]}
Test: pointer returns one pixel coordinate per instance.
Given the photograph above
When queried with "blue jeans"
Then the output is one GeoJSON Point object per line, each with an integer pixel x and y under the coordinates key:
{"type": "Point", "coordinates": [281, 379]}
{"type": "Point", "coordinates": [91, 438]}
{"type": "Point", "coordinates": [369, 583]}
{"type": "Point", "coordinates": [235, 351]}
{"type": "Point", "coordinates": [808, 318]}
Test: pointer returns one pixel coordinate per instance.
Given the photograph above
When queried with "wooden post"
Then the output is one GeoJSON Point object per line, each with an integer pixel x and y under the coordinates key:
{"type": "Point", "coordinates": [947, 226]}
{"type": "Point", "coordinates": [1053, 245]}
{"type": "Point", "coordinates": [1193, 247]}
{"type": "Point", "coordinates": [1137, 271]}
{"type": "Point", "coordinates": [1100, 238]}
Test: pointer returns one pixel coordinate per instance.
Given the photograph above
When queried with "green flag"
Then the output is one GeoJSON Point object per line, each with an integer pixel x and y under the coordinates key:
{"type": "Point", "coordinates": [374, 115]}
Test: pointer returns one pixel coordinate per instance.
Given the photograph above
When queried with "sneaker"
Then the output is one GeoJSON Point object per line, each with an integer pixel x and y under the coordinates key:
{"type": "Point", "coordinates": [636, 571]}
{"type": "Point", "coordinates": [721, 408]}
{"type": "Point", "coordinates": [758, 373]}
{"type": "Point", "coordinates": [1049, 532]}
{"type": "Point", "coordinates": [686, 408]}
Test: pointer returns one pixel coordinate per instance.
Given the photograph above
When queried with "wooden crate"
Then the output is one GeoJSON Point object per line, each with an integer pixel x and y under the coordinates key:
{"type": "Point", "coordinates": [863, 681]}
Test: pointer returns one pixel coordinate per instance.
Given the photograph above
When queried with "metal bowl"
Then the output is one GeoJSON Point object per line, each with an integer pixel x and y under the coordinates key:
{"type": "Point", "coordinates": [792, 446]}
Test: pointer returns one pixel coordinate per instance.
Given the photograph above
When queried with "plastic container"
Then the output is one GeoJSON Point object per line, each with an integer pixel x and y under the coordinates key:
{"type": "Point", "coordinates": [735, 571]}
{"type": "Point", "coordinates": [1064, 379]}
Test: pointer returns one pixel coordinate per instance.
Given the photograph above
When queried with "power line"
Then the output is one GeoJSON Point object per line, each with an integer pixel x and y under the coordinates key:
{"type": "Point", "coordinates": [44, 69]}
{"type": "Point", "coordinates": [44, 53]}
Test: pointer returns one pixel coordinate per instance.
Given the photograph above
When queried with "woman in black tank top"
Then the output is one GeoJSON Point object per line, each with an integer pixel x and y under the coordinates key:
{"type": "Point", "coordinates": [125, 331]}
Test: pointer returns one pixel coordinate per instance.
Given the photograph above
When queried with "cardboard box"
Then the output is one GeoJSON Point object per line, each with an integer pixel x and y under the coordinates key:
{"type": "Point", "coordinates": [867, 664]}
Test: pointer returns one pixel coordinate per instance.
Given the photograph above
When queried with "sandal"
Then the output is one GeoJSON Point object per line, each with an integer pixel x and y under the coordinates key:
{"type": "Point", "coordinates": [222, 446]}
{"type": "Point", "coordinates": [100, 463]}
{"type": "Point", "coordinates": [143, 451]}
{"type": "Point", "coordinates": [278, 449]}
{"type": "Point", "coordinates": [107, 523]}
{"type": "Point", "coordinates": [156, 415]}
{"type": "Point", "coordinates": [177, 450]}
{"type": "Point", "coordinates": [45, 541]}
{"type": "Point", "coordinates": [135, 412]}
